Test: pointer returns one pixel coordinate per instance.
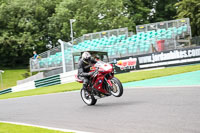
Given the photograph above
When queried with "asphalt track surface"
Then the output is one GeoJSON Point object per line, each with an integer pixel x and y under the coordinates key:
{"type": "Point", "coordinates": [139, 110]}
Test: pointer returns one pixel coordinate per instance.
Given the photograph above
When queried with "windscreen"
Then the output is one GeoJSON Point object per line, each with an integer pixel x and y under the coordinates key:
{"type": "Point", "coordinates": [99, 63]}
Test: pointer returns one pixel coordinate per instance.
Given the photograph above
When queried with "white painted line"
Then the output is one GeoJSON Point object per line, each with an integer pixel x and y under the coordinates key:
{"type": "Point", "coordinates": [50, 128]}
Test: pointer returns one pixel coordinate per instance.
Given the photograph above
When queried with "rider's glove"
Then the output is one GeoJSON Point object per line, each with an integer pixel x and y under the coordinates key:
{"type": "Point", "coordinates": [90, 73]}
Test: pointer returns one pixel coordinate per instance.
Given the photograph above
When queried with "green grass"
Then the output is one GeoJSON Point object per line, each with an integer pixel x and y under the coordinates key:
{"type": "Point", "coordinates": [126, 77]}
{"type": "Point", "coordinates": [11, 76]}
{"type": "Point", "coordinates": [12, 128]}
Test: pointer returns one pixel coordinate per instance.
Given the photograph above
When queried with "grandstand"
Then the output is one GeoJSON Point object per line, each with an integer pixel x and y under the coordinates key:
{"type": "Point", "coordinates": [118, 43]}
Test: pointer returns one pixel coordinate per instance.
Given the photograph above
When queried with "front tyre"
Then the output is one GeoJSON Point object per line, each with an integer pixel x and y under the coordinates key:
{"type": "Point", "coordinates": [117, 89]}
{"type": "Point", "coordinates": [87, 98]}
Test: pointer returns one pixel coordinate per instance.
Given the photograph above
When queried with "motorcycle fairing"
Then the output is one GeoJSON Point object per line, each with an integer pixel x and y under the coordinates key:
{"type": "Point", "coordinates": [109, 82]}
{"type": "Point", "coordinates": [99, 83]}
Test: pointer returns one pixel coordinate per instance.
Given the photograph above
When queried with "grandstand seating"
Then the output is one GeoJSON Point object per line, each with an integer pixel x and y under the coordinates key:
{"type": "Point", "coordinates": [116, 45]}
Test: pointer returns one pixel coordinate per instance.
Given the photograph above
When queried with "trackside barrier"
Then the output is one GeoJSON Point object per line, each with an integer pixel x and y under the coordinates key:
{"type": "Point", "coordinates": [22, 87]}
{"type": "Point", "coordinates": [6, 91]}
{"type": "Point", "coordinates": [53, 80]}
{"type": "Point", "coordinates": [68, 77]}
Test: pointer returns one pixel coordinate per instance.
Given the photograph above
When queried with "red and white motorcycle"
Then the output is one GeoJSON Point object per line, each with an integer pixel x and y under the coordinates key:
{"type": "Point", "coordinates": [101, 84]}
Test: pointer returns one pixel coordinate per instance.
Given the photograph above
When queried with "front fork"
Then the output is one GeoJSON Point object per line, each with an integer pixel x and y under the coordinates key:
{"type": "Point", "coordinates": [110, 86]}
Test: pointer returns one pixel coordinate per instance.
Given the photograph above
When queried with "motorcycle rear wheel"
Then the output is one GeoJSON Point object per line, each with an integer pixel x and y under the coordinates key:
{"type": "Point", "coordinates": [117, 89]}
{"type": "Point", "coordinates": [87, 98]}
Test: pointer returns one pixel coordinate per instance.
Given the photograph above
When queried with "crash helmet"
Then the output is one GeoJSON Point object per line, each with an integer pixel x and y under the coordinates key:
{"type": "Point", "coordinates": [86, 56]}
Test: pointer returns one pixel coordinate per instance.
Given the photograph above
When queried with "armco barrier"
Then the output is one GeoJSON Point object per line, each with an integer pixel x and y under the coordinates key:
{"type": "Point", "coordinates": [53, 80]}
{"type": "Point", "coordinates": [6, 91]}
{"type": "Point", "coordinates": [68, 76]}
{"type": "Point", "coordinates": [22, 87]}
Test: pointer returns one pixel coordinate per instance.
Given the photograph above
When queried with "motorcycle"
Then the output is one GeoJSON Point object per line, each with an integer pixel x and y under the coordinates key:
{"type": "Point", "coordinates": [102, 84]}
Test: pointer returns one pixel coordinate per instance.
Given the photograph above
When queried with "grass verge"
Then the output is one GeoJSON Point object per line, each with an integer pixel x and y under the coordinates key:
{"type": "Point", "coordinates": [125, 77]}
{"type": "Point", "coordinates": [11, 76]}
{"type": "Point", "coordinates": [12, 128]}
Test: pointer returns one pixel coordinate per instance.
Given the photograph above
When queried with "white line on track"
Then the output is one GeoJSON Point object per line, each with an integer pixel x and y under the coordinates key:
{"type": "Point", "coordinates": [50, 128]}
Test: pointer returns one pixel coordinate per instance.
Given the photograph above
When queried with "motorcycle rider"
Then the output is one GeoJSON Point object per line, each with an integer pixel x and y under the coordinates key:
{"type": "Point", "coordinates": [84, 65]}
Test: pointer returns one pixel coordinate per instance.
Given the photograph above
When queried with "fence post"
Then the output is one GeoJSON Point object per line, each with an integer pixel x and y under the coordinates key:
{"type": "Point", "coordinates": [63, 55]}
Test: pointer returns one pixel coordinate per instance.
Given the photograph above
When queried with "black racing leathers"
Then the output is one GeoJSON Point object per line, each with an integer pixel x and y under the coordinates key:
{"type": "Point", "coordinates": [84, 68]}
{"type": "Point", "coordinates": [84, 71]}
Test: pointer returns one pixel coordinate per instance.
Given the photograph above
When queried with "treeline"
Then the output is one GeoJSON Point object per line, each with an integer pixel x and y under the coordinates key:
{"type": "Point", "coordinates": [27, 25]}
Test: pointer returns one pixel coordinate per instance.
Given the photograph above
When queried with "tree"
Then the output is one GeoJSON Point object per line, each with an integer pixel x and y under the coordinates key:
{"type": "Point", "coordinates": [163, 10]}
{"type": "Point", "coordinates": [91, 16]}
{"type": "Point", "coordinates": [24, 27]}
{"type": "Point", "coordinates": [190, 9]}
{"type": "Point", "coordinates": [150, 11]}
{"type": "Point", "coordinates": [138, 10]}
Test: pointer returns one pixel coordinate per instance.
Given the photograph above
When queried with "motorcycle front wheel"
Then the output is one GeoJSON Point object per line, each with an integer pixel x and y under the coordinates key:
{"type": "Point", "coordinates": [87, 98]}
{"type": "Point", "coordinates": [117, 88]}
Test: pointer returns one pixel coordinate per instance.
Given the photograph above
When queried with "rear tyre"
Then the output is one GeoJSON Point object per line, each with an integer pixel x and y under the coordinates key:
{"type": "Point", "coordinates": [117, 89]}
{"type": "Point", "coordinates": [87, 98]}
